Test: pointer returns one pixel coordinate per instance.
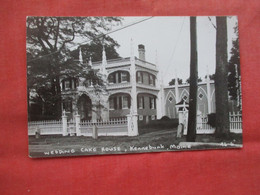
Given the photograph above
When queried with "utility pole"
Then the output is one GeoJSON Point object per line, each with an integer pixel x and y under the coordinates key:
{"type": "Point", "coordinates": [192, 118]}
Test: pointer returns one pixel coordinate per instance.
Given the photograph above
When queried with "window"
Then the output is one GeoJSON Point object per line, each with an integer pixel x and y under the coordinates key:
{"type": "Point", "coordinates": [67, 84]}
{"type": "Point", "coordinates": [124, 77]}
{"type": "Point", "coordinates": [111, 104]}
{"type": "Point", "coordinates": [139, 77]}
{"type": "Point", "coordinates": [151, 79]}
{"type": "Point", "coordinates": [152, 102]}
{"type": "Point", "coordinates": [118, 102]}
{"type": "Point", "coordinates": [111, 78]}
{"type": "Point", "coordinates": [140, 102]}
{"type": "Point", "coordinates": [125, 102]}
{"type": "Point", "coordinates": [141, 117]}
{"type": "Point", "coordinates": [170, 99]}
{"type": "Point", "coordinates": [200, 95]}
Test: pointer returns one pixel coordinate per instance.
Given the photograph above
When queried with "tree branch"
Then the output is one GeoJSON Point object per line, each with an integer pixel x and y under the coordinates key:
{"type": "Point", "coordinates": [57, 34]}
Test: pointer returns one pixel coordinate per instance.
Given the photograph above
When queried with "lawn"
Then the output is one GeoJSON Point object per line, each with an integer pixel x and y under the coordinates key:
{"type": "Point", "coordinates": [156, 141]}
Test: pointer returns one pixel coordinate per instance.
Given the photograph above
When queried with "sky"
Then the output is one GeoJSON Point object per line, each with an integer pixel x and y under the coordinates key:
{"type": "Point", "coordinates": [169, 37]}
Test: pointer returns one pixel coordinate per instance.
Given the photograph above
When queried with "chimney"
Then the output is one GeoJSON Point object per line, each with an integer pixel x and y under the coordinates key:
{"type": "Point", "coordinates": [141, 51]}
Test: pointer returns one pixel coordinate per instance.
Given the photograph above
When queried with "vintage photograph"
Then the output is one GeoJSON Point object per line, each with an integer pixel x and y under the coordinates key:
{"type": "Point", "coordinates": [117, 85]}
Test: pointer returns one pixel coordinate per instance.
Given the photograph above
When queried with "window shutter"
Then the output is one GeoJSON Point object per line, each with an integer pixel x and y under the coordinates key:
{"type": "Point", "coordinates": [75, 83]}
{"type": "Point", "coordinates": [115, 102]}
{"type": "Point", "coordinates": [119, 77]}
{"type": "Point", "coordinates": [143, 101]}
{"type": "Point", "coordinates": [142, 77]}
{"type": "Point", "coordinates": [70, 83]}
{"type": "Point", "coordinates": [120, 102]}
{"type": "Point", "coordinates": [155, 102]}
{"type": "Point", "coordinates": [150, 101]}
{"type": "Point", "coordinates": [63, 85]}
{"type": "Point", "coordinates": [154, 80]}
{"type": "Point", "coordinates": [129, 101]}
{"type": "Point", "coordinates": [128, 77]}
{"type": "Point", "coordinates": [149, 79]}
{"type": "Point", "coordinates": [138, 102]}
{"type": "Point", "coordinates": [136, 76]}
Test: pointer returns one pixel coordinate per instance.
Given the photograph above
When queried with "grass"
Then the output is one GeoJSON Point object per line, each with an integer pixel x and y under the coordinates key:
{"type": "Point", "coordinates": [156, 141]}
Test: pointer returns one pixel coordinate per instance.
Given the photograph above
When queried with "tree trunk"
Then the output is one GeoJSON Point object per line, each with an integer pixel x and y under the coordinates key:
{"type": "Point", "coordinates": [191, 135]}
{"type": "Point", "coordinates": [59, 100]}
{"type": "Point", "coordinates": [221, 80]}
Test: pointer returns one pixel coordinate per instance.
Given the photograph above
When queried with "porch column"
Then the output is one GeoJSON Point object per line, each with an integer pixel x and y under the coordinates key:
{"type": "Point", "coordinates": [77, 120]}
{"type": "Point", "coordinates": [133, 81]}
{"type": "Point", "coordinates": [160, 105]}
{"type": "Point", "coordinates": [132, 124]}
{"type": "Point", "coordinates": [132, 117]}
{"type": "Point", "coordinates": [64, 124]}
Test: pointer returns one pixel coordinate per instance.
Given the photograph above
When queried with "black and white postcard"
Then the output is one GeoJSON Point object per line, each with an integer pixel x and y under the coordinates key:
{"type": "Point", "coordinates": [117, 85]}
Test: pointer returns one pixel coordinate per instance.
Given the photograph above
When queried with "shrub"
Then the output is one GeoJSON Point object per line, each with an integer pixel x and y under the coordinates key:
{"type": "Point", "coordinates": [212, 119]}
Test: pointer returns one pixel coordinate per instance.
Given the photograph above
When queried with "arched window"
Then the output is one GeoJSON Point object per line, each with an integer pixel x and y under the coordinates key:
{"type": "Point", "coordinates": [119, 77]}
{"type": "Point", "coordinates": [145, 78]}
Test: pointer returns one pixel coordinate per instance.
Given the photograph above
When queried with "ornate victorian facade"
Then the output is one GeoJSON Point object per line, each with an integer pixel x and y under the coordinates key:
{"type": "Point", "coordinates": [130, 85]}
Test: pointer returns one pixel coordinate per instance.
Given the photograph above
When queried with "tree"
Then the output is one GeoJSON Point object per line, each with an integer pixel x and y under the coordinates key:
{"type": "Point", "coordinates": [94, 50]}
{"type": "Point", "coordinates": [192, 118]}
{"type": "Point", "coordinates": [188, 80]}
{"type": "Point", "coordinates": [234, 71]}
{"type": "Point", "coordinates": [211, 76]}
{"type": "Point", "coordinates": [48, 54]}
{"type": "Point", "coordinates": [172, 82]}
{"type": "Point", "coordinates": [221, 75]}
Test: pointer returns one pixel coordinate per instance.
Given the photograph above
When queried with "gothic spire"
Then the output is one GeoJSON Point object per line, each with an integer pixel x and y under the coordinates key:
{"type": "Point", "coordinates": [104, 63]}
{"type": "Point", "coordinates": [80, 56]}
{"type": "Point", "coordinates": [104, 57]}
{"type": "Point", "coordinates": [90, 62]}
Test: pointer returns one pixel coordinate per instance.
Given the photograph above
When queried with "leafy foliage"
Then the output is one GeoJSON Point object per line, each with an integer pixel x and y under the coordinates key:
{"type": "Point", "coordinates": [172, 82]}
{"type": "Point", "coordinates": [49, 44]}
{"type": "Point", "coordinates": [211, 77]}
{"type": "Point", "coordinates": [188, 80]}
{"type": "Point", "coordinates": [234, 75]}
{"type": "Point", "coordinates": [212, 119]}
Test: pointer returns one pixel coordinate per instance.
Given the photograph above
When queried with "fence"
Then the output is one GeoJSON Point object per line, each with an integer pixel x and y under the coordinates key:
{"type": "Point", "coordinates": [113, 127]}
{"type": "Point", "coordinates": [45, 127]}
{"type": "Point", "coordinates": [235, 120]}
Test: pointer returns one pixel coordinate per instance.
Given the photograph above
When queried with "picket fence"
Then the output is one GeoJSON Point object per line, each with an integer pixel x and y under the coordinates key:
{"type": "Point", "coordinates": [235, 120]}
{"type": "Point", "coordinates": [113, 127]}
{"type": "Point", "coordinates": [49, 127]}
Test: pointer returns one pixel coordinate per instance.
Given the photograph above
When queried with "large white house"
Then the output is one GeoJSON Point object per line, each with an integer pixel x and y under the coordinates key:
{"type": "Point", "coordinates": [131, 84]}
